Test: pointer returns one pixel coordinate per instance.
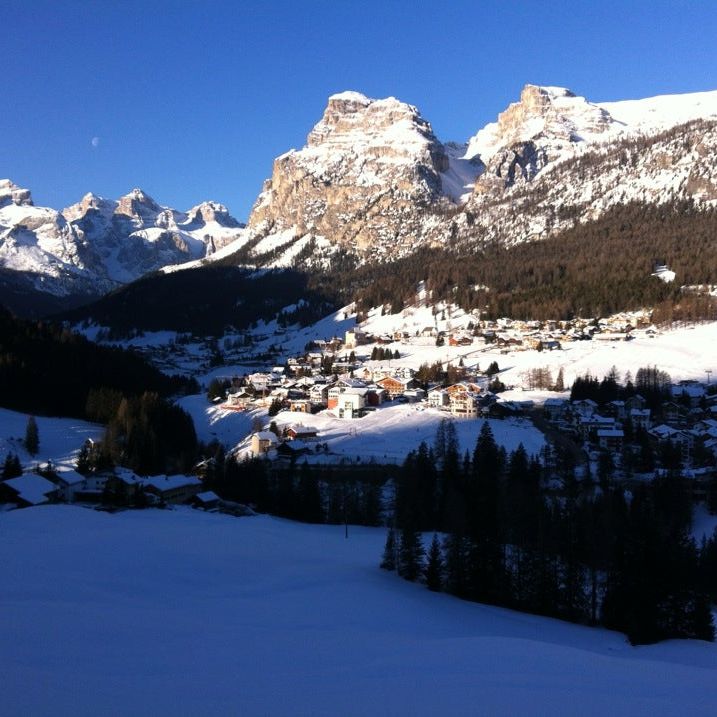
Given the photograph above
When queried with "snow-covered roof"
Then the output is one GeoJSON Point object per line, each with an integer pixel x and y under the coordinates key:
{"type": "Point", "coordinates": [171, 482]}
{"type": "Point", "coordinates": [31, 488]}
{"type": "Point", "coordinates": [208, 496]}
{"type": "Point", "coordinates": [267, 436]}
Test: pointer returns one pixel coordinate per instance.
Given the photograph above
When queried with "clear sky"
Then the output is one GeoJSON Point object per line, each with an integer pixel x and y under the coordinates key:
{"type": "Point", "coordinates": [193, 100]}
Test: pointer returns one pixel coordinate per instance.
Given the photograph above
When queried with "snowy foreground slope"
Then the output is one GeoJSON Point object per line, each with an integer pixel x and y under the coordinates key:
{"type": "Point", "coordinates": [179, 613]}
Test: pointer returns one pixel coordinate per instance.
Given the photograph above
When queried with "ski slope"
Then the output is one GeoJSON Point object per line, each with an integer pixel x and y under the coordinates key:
{"type": "Point", "coordinates": [183, 613]}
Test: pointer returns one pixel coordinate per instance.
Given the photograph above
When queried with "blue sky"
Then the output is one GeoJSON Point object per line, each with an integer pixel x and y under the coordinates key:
{"type": "Point", "coordinates": [193, 100]}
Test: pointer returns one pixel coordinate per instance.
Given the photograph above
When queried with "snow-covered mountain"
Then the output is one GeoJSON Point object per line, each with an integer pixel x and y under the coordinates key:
{"type": "Point", "coordinates": [97, 244]}
{"type": "Point", "coordinates": [375, 181]}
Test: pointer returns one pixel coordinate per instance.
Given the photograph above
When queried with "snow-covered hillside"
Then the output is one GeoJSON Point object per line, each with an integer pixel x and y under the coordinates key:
{"type": "Point", "coordinates": [178, 612]}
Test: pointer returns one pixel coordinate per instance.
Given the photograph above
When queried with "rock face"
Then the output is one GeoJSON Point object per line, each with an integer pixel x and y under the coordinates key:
{"type": "Point", "coordinates": [93, 246]}
{"type": "Point", "coordinates": [373, 179]}
{"type": "Point", "coordinates": [546, 125]}
{"type": "Point", "coordinates": [367, 168]}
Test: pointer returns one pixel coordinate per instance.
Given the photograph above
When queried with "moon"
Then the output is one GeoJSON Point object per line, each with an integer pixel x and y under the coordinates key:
{"type": "Point", "coordinates": [95, 142]}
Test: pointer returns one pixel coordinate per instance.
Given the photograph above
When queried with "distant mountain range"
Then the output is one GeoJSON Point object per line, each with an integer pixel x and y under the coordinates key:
{"type": "Point", "coordinates": [374, 183]}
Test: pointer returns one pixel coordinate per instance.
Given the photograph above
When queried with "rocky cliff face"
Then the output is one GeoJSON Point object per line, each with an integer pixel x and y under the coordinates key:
{"type": "Point", "coordinates": [368, 174]}
{"type": "Point", "coordinates": [374, 180]}
{"type": "Point", "coordinates": [97, 244]}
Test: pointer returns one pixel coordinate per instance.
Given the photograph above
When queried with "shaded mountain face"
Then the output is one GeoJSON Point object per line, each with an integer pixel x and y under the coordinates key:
{"type": "Point", "coordinates": [97, 244]}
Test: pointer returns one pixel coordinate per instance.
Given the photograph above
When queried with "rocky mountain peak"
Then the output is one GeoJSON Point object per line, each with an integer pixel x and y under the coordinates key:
{"type": "Point", "coordinates": [545, 125]}
{"type": "Point", "coordinates": [10, 193]}
{"type": "Point", "coordinates": [137, 204]}
{"type": "Point", "coordinates": [366, 165]}
{"type": "Point", "coordinates": [211, 212]}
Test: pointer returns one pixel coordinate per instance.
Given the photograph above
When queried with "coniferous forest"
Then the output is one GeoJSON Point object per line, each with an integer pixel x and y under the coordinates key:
{"type": "Point", "coordinates": [531, 535]}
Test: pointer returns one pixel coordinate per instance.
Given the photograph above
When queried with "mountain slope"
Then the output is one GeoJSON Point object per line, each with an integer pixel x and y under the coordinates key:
{"type": "Point", "coordinates": [97, 244]}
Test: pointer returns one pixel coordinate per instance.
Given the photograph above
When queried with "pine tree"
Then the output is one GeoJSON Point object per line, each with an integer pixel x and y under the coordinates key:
{"type": "Point", "coordinates": [410, 555]}
{"type": "Point", "coordinates": [434, 567]}
{"type": "Point", "coordinates": [559, 381]}
{"type": "Point", "coordinates": [389, 551]}
{"type": "Point", "coordinates": [12, 467]}
{"type": "Point", "coordinates": [32, 437]}
{"type": "Point", "coordinates": [83, 459]}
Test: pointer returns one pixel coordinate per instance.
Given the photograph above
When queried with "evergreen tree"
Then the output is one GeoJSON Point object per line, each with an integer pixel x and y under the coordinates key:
{"type": "Point", "coordinates": [388, 562]}
{"type": "Point", "coordinates": [32, 437]}
{"type": "Point", "coordinates": [83, 459]}
{"type": "Point", "coordinates": [410, 555]}
{"type": "Point", "coordinates": [434, 566]}
{"type": "Point", "coordinates": [12, 467]}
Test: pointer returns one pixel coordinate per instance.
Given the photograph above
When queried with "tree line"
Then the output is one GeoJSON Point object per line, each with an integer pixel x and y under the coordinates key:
{"type": "Point", "coordinates": [536, 536]}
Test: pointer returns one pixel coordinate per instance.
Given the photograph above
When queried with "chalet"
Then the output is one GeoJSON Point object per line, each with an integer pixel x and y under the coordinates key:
{"type": "Point", "coordinates": [239, 401]}
{"type": "Point", "coordinates": [351, 402]}
{"type": "Point", "coordinates": [172, 489]}
{"type": "Point", "coordinates": [291, 450]}
{"type": "Point", "coordinates": [429, 332]}
{"type": "Point", "coordinates": [262, 442]}
{"type": "Point", "coordinates": [297, 432]}
{"type": "Point", "coordinates": [123, 486]}
{"type": "Point", "coordinates": [333, 393]}
{"type": "Point", "coordinates": [27, 490]}
{"type": "Point", "coordinates": [396, 386]}
{"type": "Point", "coordinates": [464, 387]}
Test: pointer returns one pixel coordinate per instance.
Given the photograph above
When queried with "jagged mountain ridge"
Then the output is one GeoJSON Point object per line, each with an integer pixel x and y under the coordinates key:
{"type": "Point", "coordinates": [97, 244]}
{"type": "Point", "coordinates": [375, 183]}
{"type": "Point", "coordinates": [374, 180]}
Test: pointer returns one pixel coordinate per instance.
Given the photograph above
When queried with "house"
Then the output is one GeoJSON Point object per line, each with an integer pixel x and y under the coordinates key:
{"type": "Point", "coordinates": [673, 413]}
{"type": "Point", "coordinates": [556, 409]}
{"type": "Point", "coordinates": [688, 392]}
{"type": "Point", "coordinates": [27, 490]}
{"type": "Point", "coordinates": [414, 395]}
{"type": "Point", "coordinates": [351, 402]}
{"type": "Point", "coordinates": [464, 404]}
{"type": "Point", "coordinates": [67, 483]}
{"type": "Point", "coordinates": [300, 405]}
{"type": "Point", "coordinates": [262, 442]}
{"type": "Point", "coordinates": [206, 500]}
{"type": "Point", "coordinates": [319, 394]}
{"type": "Point", "coordinates": [640, 418]}
{"type": "Point", "coordinates": [396, 386]}
{"type": "Point", "coordinates": [297, 432]}
{"type": "Point", "coordinates": [376, 395]}
{"type": "Point", "coordinates": [663, 434]}
{"type": "Point", "coordinates": [354, 338]}
{"type": "Point", "coordinates": [610, 439]}
{"type": "Point", "coordinates": [439, 398]}
{"type": "Point", "coordinates": [238, 401]}
{"type": "Point", "coordinates": [172, 489]}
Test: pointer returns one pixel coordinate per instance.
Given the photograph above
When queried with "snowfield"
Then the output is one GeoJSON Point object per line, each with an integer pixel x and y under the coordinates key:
{"type": "Point", "coordinates": [60, 438]}
{"type": "Point", "coordinates": [183, 613]}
